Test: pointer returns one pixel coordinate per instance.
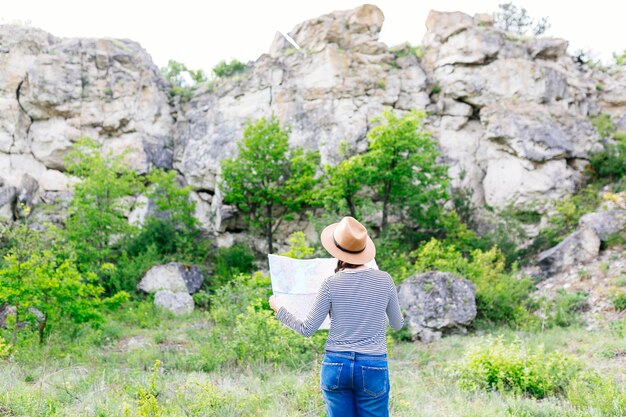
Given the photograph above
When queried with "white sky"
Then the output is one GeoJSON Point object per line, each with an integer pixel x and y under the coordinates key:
{"type": "Point", "coordinates": [201, 33]}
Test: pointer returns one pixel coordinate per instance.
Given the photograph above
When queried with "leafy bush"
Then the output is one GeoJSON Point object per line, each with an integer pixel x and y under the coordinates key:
{"type": "Point", "coordinates": [500, 296]}
{"type": "Point", "coordinates": [231, 262]}
{"type": "Point", "coordinates": [610, 164]}
{"type": "Point", "coordinates": [224, 69]}
{"type": "Point", "coordinates": [493, 365]}
{"type": "Point", "coordinates": [604, 125]}
{"type": "Point", "coordinates": [298, 247]}
{"type": "Point", "coordinates": [246, 330]}
{"type": "Point", "coordinates": [115, 302]}
{"type": "Point", "coordinates": [563, 310]}
{"type": "Point", "coordinates": [5, 349]}
{"type": "Point", "coordinates": [602, 395]}
{"type": "Point", "coordinates": [518, 21]}
{"type": "Point", "coordinates": [619, 300]}
{"type": "Point", "coordinates": [183, 80]}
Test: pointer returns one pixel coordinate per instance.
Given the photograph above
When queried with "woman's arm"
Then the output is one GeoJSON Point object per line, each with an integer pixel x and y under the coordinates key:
{"type": "Point", "coordinates": [314, 319]}
{"type": "Point", "coordinates": [393, 307]}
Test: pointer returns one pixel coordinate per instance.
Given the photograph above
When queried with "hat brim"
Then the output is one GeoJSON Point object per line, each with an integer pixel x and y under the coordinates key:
{"type": "Point", "coordinates": [360, 258]}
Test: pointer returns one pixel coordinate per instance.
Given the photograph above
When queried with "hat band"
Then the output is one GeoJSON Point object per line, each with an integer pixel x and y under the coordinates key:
{"type": "Point", "coordinates": [347, 250]}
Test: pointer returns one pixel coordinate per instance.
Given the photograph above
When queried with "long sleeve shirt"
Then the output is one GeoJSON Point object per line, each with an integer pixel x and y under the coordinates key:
{"type": "Point", "coordinates": [360, 304]}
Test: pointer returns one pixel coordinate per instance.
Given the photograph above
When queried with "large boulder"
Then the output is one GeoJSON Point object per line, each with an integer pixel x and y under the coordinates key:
{"type": "Point", "coordinates": [176, 302]}
{"type": "Point", "coordinates": [435, 303]}
{"type": "Point", "coordinates": [605, 223]}
{"type": "Point", "coordinates": [174, 277]}
{"type": "Point", "coordinates": [581, 246]}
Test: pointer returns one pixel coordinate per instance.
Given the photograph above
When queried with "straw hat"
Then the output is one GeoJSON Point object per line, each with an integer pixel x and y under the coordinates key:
{"type": "Point", "coordinates": [348, 241]}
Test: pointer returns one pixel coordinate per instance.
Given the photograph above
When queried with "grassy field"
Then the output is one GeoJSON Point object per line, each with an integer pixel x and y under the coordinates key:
{"type": "Point", "coordinates": [110, 372]}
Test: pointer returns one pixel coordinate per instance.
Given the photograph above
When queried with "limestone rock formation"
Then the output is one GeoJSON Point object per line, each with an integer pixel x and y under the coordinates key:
{"type": "Point", "coordinates": [581, 246]}
{"type": "Point", "coordinates": [176, 302]}
{"type": "Point", "coordinates": [173, 277]}
{"type": "Point", "coordinates": [434, 303]}
{"type": "Point", "coordinates": [511, 115]}
{"type": "Point", "coordinates": [54, 91]}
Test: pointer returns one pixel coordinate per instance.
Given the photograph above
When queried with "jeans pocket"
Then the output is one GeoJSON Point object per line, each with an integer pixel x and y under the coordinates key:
{"type": "Point", "coordinates": [329, 375]}
{"type": "Point", "coordinates": [374, 380]}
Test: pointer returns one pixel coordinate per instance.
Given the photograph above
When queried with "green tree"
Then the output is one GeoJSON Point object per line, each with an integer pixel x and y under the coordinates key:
{"type": "Point", "coordinates": [402, 169]}
{"type": "Point", "coordinates": [182, 79]}
{"type": "Point", "coordinates": [518, 21]}
{"type": "Point", "coordinates": [344, 181]}
{"type": "Point", "coordinates": [96, 214]}
{"type": "Point", "coordinates": [42, 283]}
{"type": "Point", "coordinates": [267, 181]}
{"type": "Point", "coordinates": [228, 69]}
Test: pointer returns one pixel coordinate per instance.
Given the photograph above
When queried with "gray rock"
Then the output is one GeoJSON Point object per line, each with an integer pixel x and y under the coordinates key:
{"type": "Point", "coordinates": [173, 277]}
{"type": "Point", "coordinates": [7, 202]}
{"type": "Point", "coordinates": [581, 246]}
{"type": "Point", "coordinates": [605, 223]}
{"type": "Point", "coordinates": [435, 303]}
{"type": "Point", "coordinates": [176, 302]}
{"type": "Point", "coordinates": [5, 311]}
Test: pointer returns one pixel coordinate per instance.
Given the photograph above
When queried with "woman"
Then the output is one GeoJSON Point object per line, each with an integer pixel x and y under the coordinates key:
{"type": "Point", "coordinates": [354, 376]}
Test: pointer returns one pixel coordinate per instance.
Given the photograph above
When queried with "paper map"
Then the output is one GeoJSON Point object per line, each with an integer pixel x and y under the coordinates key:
{"type": "Point", "coordinates": [296, 282]}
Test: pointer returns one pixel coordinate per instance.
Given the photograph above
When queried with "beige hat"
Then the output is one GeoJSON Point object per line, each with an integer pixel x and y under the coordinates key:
{"type": "Point", "coordinates": [348, 241]}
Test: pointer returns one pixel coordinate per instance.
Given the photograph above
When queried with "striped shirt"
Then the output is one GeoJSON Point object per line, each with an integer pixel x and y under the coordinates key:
{"type": "Point", "coordinates": [359, 303]}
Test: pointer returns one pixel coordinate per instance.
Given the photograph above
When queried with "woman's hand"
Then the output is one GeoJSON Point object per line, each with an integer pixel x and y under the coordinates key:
{"type": "Point", "coordinates": [275, 304]}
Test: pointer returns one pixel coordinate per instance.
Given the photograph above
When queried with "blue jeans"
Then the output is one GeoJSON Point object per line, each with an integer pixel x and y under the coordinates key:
{"type": "Point", "coordinates": [355, 384]}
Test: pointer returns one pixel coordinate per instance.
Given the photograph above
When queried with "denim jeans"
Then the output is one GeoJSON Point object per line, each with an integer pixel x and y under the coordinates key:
{"type": "Point", "coordinates": [355, 384]}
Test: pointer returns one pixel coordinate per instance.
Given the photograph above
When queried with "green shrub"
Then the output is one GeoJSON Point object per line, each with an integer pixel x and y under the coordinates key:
{"type": "Point", "coordinates": [604, 125]}
{"type": "Point", "coordinates": [146, 401]}
{"type": "Point", "coordinates": [115, 302]}
{"type": "Point", "coordinates": [231, 262]}
{"type": "Point", "coordinates": [5, 349]}
{"type": "Point", "coordinates": [500, 296]}
{"type": "Point", "coordinates": [224, 69]}
{"type": "Point", "coordinates": [590, 392]}
{"type": "Point", "coordinates": [564, 309]}
{"type": "Point", "coordinates": [246, 330]}
{"type": "Point", "coordinates": [610, 163]}
{"type": "Point", "coordinates": [298, 247]}
{"type": "Point", "coordinates": [492, 364]}
{"type": "Point", "coordinates": [619, 300]}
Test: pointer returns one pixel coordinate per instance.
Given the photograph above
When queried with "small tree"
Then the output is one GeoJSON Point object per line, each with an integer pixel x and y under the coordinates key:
{"type": "Point", "coordinates": [402, 169]}
{"type": "Point", "coordinates": [42, 283]}
{"type": "Point", "coordinates": [267, 181]}
{"type": "Point", "coordinates": [516, 20]}
{"type": "Point", "coordinates": [344, 181]}
{"type": "Point", "coordinates": [96, 213]}
{"type": "Point", "coordinates": [182, 79]}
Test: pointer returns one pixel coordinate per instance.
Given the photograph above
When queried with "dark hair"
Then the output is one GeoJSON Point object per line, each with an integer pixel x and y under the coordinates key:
{"type": "Point", "coordinates": [341, 265]}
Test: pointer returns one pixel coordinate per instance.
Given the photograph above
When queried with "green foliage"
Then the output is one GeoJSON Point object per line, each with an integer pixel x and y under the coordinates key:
{"type": "Point", "coordinates": [516, 20]}
{"type": "Point", "coordinates": [590, 391]}
{"type": "Point", "coordinates": [343, 183]}
{"type": "Point", "coordinates": [620, 59]}
{"type": "Point", "coordinates": [500, 296]}
{"type": "Point", "coordinates": [610, 164]}
{"type": "Point", "coordinates": [406, 49]}
{"type": "Point", "coordinates": [298, 247]}
{"type": "Point", "coordinates": [228, 69]}
{"type": "Point", "coordinates": [231, 262]}
{"type": "Point", "coordinates": [402, 170]}
{"type": "Point", "coordinates": [183, 80]}
{"type": "Point", "coordinates": [267, 181]}
{"type": "Point", "coordinates": [173, 229]}
{"type": "Point", "coordinates": [246, 331]}
{"type": "Point", "coordinates": [563, 310]}
{"type": "Point", "coordinates": [35, 274]}
{"type": "Point", "coordinates": [115, 302]}
{"type": "Point", "coordinates": [5, 349]}
{"type": "Point", "coordinates": [96, 213]}
{"type": "Point", "coordinates": [146, 401]}
{"type": "Point", "coordinates": [494, 365]}
{"type": "Point", "coordinates": [618, 299]}
{"type": "Point", "coordinates": [566, 214]}
{"type": "Point", "coordinates": [604, 125]}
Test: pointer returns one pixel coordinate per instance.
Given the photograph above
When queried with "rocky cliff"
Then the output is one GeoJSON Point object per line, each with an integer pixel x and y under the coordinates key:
{"type": "Point", "coordinates": [512, 115]}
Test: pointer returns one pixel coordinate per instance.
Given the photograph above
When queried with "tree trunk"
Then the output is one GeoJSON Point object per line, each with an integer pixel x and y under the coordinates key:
{"type": "Point", "coordinates": [14, 337]}
{"type": "Point", "coordinates": [351, 206]}
{"type": "Point", "coordinates": [387, 192]}
{"type": "Point", "coordinates": [42, 327]}
{"type": "Point", "coordinates": [269, 233]}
